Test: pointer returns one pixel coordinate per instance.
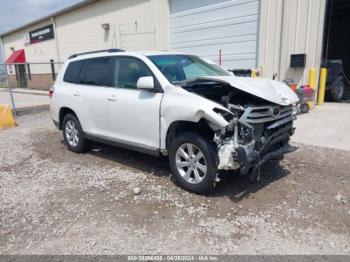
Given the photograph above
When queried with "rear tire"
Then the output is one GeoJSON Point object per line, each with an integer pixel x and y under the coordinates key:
{"type": "Point", "coordinates": [336, 91]}
{"type": "Point", "coordinates": [338, 95]}
{"type": "Point", "coordinates": [193, 162]}
{"type": "Point", "coordinates": [73, 134]}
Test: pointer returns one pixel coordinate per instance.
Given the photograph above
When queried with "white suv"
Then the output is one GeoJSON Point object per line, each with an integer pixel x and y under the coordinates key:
{"type": "Point", "coordinates": [168, 104]}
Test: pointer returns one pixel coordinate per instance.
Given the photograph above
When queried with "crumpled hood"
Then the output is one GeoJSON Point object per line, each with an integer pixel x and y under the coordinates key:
{"type": "Point", "coordinates": [270, 90]}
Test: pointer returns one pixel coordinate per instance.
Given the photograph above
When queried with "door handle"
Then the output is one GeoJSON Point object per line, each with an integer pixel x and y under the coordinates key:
{"type": "Point", "coordinates": [112, 98]}
{"type": "Point", "coordinates": [76, 94]}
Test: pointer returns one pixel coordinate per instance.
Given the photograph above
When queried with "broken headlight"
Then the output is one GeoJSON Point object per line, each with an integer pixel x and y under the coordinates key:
{"type": "Point", "coordinates": [226, 115]}
{"type": "Point", "coordinates": [295, 110]}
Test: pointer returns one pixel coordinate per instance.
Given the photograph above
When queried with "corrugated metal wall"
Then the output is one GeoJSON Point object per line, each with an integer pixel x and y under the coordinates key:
{"type": "Point", "coordinates": [290, 27]}
{"type": "Point", "coordinates": [134, 25]}
{"type": "Point", "coordinates": [251, 33]}
{"type": "Point", "coordinates": [40, 52]}
{"type": "Point", "coordinates": [37, 52]}
{"type": "Point", "coordinates": [205, 27]}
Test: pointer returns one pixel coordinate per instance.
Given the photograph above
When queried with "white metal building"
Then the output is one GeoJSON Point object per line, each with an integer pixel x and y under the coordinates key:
{"type": "Point", "coordinates": [205, 27]}
{"type": "Point", "coordinates": [250, 34]}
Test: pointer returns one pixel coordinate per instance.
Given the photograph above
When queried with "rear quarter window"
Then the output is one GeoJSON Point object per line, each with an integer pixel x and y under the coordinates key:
{"type": "Point", "coordinates": [72, 72]}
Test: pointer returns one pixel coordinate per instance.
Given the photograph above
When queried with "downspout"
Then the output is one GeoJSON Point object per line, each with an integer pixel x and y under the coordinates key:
{"type": "Point", "coordinates": [7, 78]}
{"type": "Point", "coordinates": [56, 39]}
{"type": "Point", "coordinates": [328, 27]}
{"type": "Point", "coordinates": [281, 42]}
{"type": "Point", "coordinates": [3, 49]}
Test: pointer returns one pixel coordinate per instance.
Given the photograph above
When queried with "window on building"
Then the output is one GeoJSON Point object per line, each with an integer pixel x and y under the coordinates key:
{"type": "Point", "coordinates": [129, 70]}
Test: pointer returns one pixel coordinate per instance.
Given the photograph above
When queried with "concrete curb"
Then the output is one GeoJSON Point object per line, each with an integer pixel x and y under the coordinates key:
{"type": "Point", "coordinates": [25, 92]}
{"type": "Point", "coordinates": [32, 109]}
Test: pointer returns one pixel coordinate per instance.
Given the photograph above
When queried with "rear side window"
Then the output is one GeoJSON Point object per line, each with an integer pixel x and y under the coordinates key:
{"type": "Point", "coordinates": [95, 71]}
{"type": "Point", "coordinates": [73, 71]}
{"type": "Point", "coordinates": [98, 72]}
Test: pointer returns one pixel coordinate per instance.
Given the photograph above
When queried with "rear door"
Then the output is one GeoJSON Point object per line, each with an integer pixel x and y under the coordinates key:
{"type": "Point", "coordinates": [95, 82]}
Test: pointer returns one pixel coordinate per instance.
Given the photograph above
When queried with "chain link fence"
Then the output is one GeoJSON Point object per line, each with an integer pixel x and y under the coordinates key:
{"type": "Point", "coordinates": [38, 76]}
{"type": "Point", "coordinates": [25, 85]}
{"type": "Point", "coordinates": [4, 87]}
{"type": "Point", "coordinates": [3, 76]}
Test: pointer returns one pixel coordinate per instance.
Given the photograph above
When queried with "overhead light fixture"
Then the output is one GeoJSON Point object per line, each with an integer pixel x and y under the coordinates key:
{"type": "Point", "coordinates": [105, 26]}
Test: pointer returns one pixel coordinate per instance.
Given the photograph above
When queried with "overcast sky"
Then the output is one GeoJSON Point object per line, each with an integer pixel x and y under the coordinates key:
{"type": "Point", "coordinates": [14, 13]}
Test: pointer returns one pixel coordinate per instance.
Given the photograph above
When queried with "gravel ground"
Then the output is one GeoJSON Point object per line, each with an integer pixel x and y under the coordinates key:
{"type": "Point", "coordinates": [57, 202]}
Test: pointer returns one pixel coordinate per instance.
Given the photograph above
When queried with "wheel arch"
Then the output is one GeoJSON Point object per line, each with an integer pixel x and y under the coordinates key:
{"type": "Point", "coordinates": [62, 113]}
{"type": "Point", "coordinates": [201, 128]}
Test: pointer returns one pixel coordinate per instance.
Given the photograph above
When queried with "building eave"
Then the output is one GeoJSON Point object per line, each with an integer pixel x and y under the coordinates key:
{"type": "Point", "coordinates": [57, 13]}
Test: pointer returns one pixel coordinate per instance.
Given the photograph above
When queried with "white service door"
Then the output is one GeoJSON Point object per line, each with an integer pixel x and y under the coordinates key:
{"type": "Point", "coordinates": [204, 27]}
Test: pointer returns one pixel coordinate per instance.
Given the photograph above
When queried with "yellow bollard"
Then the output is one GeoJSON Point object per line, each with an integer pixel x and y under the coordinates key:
{"type": "Point", "coordinates": [322, 86]}
{"type": "Point", "coordinates": [312, 78]}
{"type": "Point", "coordinates": [6, 117]}
{"type": "Point", "coordinates": [254, 73]}
{"type": "Point", "coordinates": [312, 83]}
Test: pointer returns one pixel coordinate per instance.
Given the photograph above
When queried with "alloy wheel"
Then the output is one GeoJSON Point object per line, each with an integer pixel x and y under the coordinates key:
{"type": "Point", "coordinates": [72, 133]}
{"type": "Point", "coordinates": [191, 163]}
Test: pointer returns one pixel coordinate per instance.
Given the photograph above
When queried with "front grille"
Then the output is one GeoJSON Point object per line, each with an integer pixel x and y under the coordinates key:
{"type": "Point", "coordinates": [273, 129]}
{"type": "Point", "coordinates": [263, 114]}
{"type": "Point", "coordinates": [272, 126]}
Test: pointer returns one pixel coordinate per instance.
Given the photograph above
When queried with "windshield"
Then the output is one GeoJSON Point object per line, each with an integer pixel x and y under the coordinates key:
{"type": "Point", "coordinates": [181, 68]}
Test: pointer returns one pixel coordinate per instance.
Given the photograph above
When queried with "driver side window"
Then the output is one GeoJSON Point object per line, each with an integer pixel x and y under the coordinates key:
{"type": "Point", "coordinates": [129, 70]}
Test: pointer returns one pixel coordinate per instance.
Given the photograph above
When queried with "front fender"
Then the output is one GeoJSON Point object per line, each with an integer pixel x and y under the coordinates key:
{"type": "Point", "coordinates": [180, 105]}
{"type": "Point", "coordinates": [215, 120]}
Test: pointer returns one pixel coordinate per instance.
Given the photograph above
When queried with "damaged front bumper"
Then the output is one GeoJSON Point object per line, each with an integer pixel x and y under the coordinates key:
{"type": "Point", "coordinates": [269, 142]}
{"type": "Point", "coordinates": [250, 163]}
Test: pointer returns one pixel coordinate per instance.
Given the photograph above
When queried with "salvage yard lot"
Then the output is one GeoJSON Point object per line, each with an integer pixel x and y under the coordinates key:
{"type": "Point", "coordinates": [57, 202]}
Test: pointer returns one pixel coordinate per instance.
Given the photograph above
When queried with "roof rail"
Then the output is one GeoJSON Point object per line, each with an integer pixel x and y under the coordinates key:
{"type": "Point", "coordinates": [114, 50]}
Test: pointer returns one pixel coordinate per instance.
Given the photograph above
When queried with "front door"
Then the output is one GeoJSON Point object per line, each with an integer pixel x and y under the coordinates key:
{"type": "Point", "coordinates": [133, 114]}
{"type": "Point", "coordinates": [21, 76]}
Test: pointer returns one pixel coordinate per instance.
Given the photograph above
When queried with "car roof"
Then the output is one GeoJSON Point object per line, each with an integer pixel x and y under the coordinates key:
{"type": "Point", "coordinates": [150, 53]}
{"type": "Point", "coordinates": [112, 52]}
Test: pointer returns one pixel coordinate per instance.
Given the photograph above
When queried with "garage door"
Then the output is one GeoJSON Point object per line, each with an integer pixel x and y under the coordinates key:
{"type": "Point", "coordinates": [204, 27]}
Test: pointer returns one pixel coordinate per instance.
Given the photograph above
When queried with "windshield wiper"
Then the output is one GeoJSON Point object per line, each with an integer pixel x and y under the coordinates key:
{"type": "Point", "coordinates": [197, 81]}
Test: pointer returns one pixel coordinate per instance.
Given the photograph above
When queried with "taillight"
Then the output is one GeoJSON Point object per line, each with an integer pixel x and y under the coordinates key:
{"type": "Point", "coordinates": [52, 89]}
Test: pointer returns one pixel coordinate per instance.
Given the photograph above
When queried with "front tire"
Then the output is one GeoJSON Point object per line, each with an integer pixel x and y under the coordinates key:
{"type": "Point", "coordinates": [73, 134]}
{"type": "Point", "coordinates": [193, 162]}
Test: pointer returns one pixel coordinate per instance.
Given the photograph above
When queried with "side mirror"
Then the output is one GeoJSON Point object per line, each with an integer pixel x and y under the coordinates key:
{"type": "Point", "coordinates": [146, 82]}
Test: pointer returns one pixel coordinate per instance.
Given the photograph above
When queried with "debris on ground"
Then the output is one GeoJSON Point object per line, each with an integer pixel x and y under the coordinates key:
{"type": "Point", "coordinates": [56, 202]}
{"type": "Point", "coordinates": [137, 190]}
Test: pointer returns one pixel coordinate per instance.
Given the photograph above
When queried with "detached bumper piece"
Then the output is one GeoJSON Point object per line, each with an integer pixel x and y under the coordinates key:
{"type": "Point", "coordinates": [275, 143]}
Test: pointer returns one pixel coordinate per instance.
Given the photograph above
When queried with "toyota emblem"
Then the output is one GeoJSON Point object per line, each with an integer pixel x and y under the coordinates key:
{"type": "Point", "coordinates": [276, 112]}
